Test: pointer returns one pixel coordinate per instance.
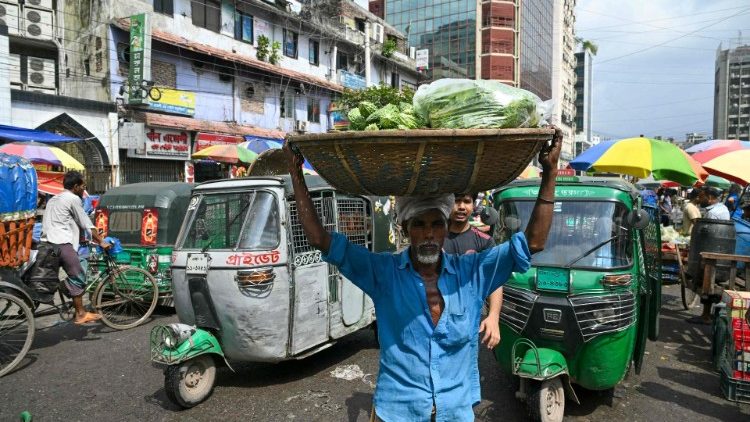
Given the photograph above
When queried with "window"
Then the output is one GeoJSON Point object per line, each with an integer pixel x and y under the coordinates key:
{"type": "Point", "coordinates": [243, 27]}
{"type": "Point", "coordinates": [342, 61]}
{"type": "Point", "coordinates": [243, 220]}
{"type": "Point", "coordinates": [395, 80]}
{"type": "Point", "coordinates": [206, 14]}
{"type": "Point", "coordinates": [287, 105]}
{"type": "Point", "coordinates": [164, 6]}
{"type": "Point", "coordinates": [314, 53]}
{"type": "Point", "coordinates": [313, 110]}
{"type": "Point", "coordinates": [290, 43]}
{"type": "Point", "coordinates": [126, 225]}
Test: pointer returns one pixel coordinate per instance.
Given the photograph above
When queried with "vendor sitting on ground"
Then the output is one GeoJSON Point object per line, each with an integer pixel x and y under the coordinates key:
{"type": "Point", "coordinates": [428, 303]}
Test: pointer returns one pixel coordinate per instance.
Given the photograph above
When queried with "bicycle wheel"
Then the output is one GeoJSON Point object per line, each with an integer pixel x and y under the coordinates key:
{"type": "Point", "coordinates": [16, 331]}
{"type": "Point", "coordinates": [126, 297]}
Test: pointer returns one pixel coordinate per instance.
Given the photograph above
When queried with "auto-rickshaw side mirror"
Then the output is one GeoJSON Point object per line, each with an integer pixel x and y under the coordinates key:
{"type": "Point", "coordinates": [638, 219]}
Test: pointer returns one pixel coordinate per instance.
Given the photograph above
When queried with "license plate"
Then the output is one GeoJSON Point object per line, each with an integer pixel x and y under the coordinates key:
{"type": "Point", "coordinates": [552, 279]}
{"type": "Point", "coordinates": [197, 263]}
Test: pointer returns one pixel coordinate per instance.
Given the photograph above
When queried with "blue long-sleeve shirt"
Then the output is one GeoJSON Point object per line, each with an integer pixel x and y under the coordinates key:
{"type": "Point", "coordinates": [422, 363]}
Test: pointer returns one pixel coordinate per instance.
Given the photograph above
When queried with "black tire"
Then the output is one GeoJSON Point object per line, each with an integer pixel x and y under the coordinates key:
{"type": "Point", "coordinates": [191, 382]}
{"type": "Point", "coordinates": [154, 93]}
{"type": "Point", "coordinates": [16, 331]}
{"type": "Point", "coordinates": [547, 401]}
{"type": "Point", "coordinates": [126, 298]}
{"type": "Point", "coordinates": [689, 297]}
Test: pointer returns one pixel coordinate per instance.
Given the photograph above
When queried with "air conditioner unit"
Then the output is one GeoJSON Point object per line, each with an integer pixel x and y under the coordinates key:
{"type": "Point", "coordinates": [300, 125]}
{"type": "Point", "coordinates": [40, 73]}
{"type": "Point", "coordinates": [37, 23]}
{"type": "Point", "coordinates": [14, 66]}
{"type": "Point", "coordinates": [51, 91]}
{"type": "Point", "coordinates": [9, 16]}
{"type": "Point", "coordinates": [40, 4]}
{"type": "Point", "coordinates": [413, 53]}
{"type": "Point", "coordinates": [377, 32]}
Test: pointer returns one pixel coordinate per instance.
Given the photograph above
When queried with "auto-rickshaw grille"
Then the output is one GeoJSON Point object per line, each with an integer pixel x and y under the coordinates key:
{"type": "Point", "coordinates": [602, 314]}
{"type": "Point", "coordinates": [517, 306]}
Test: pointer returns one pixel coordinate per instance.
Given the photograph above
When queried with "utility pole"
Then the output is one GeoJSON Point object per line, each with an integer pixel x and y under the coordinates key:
{"type": "Point", "coordinates": [367, 53]}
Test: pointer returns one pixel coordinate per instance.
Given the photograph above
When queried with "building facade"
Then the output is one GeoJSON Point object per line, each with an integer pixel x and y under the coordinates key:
{"type": "Point", "coordinates": [732, 94]}
{"type": "Point", "coordinates": [210, 72]}
{"type": "Point", "coordinates": [583, 101]}
{"type": "Point", "coordinates": [564, 76]}
{"type": "Point", "coordinates": [537, 25]}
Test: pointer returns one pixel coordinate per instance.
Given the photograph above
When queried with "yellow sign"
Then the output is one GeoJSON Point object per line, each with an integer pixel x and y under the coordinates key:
{"type": "Point", "coordinates": [173, 101]}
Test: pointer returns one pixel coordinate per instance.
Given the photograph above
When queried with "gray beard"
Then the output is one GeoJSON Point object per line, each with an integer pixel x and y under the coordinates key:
{"type": "Point", "coordinates": [428, 258]}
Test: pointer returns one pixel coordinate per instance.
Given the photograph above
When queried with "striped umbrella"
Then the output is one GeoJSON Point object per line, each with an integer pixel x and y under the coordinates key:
{"type": "Point", "coordinates": [258, 145]}
{"type": "Point", "coordinates": [714, 143]}
{"type": "Point", "coordinates": [720, 148]}
{"type": "Point", "coordinates": [641, 157]}
{"type": "Point", "coordinates": [39, 153]}
{"type": "Point", "coordinates": [732, 165]}
{"type": "Point", "coordinates": [226, 154]}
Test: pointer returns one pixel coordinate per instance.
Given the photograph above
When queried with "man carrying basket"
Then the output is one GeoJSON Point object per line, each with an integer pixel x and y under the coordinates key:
{"type": "Point", "coordinates": [428, 303]}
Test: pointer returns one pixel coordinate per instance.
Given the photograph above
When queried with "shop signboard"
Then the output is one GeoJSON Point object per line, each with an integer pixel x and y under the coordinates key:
{"type": "Point", "coordinates": [205, 140]}
{"type": "Point", "coordinates": [174, 101]}
{"type": "Point", "coordinates": [423, 59]}
{"type": "Point", "coordinates": [164, 144]}
{"type": "Point", "coordinates": [352, 80]}
{"type": "Point", "coordinates": [140, 57]}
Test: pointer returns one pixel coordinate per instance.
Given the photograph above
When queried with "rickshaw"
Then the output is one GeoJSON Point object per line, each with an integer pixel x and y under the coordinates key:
{"type": "Point", "coordinates": [247, 285]}
{"type": "Point", "coordinates": [584, 310]}
{"type": "Point", "coordinates": [146, 218]}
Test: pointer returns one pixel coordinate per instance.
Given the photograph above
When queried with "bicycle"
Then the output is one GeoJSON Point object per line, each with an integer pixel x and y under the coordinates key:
{"type": "Point", "coordinates": [125, 296]}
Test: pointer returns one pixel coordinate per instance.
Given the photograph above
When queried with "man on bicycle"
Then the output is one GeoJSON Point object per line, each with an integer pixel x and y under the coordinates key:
{"type": "Point", "coordinates": [63, 221]}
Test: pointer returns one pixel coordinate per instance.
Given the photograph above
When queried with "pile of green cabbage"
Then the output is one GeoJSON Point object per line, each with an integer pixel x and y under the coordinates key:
{"type": "Point", "coordinates": [455, 104]}
{"type": "Point", "coordinates": [367, 116]}
{"type": "Point", "coordinates": [477, 104]}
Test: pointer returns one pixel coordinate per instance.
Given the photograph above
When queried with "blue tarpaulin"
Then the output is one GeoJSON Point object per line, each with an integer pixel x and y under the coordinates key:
{"type": "Point", "coordinates": [742, 247]}
{"type": "Point", "coordinates": [18, 188]}
{"type": "Point", "coordinates": [19, 134]}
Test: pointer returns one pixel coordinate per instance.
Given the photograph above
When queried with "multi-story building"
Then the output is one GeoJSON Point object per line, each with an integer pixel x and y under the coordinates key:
{"type": "Point", "coordinates": [694, 138]}
{"type": "Point", "coordinates": [732, 93]}
{"type": "Point", "coordinates": [210, 72]}
{"type": "Point", "coordinates": [464, 39]}
{"type": "Point", "coordinates": [583, 101]}
{"type": "Point", "coordinates": [537, 24]}
{"type": "Point", "coordinates": [564, 77]}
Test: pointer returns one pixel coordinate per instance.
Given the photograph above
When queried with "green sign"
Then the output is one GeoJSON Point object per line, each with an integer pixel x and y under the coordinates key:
{"type": "Point", "coordinates": [140, 57]}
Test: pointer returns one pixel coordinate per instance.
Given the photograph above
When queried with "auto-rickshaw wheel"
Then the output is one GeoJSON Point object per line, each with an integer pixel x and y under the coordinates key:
{"type": "Point", "coordinates": [547, 402]}
{"type": "Point", "coordinates": [189, 383]}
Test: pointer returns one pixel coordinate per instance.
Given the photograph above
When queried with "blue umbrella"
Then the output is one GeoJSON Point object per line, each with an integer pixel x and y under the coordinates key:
{"type": "Point", "coordinates": [259, 144]}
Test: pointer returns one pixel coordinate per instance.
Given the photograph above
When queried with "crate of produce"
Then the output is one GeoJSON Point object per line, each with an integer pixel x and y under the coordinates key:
{"type": "Point", "coordinates": [737, 303]}
{"type": "Point", "coordinates": [735, 389]}
{"type": "Point", "coordinates": [421, 161]}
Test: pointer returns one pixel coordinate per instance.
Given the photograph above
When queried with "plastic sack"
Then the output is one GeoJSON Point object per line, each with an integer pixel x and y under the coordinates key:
{"type": "Point", "coordinates": [479, 104]}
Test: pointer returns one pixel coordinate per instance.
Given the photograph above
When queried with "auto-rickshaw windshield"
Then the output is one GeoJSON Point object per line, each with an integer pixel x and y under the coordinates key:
{"type": "Point", "coordinates": [583, 234]}
{"type": "Point", "coordinates": [246, 220]}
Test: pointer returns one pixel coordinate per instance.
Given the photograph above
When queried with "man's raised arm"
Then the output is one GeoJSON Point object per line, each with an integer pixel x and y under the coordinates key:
{"type": "Point", "coordinates": [316, 234]}
{"type": "Point", "coordinates": [541, 216]}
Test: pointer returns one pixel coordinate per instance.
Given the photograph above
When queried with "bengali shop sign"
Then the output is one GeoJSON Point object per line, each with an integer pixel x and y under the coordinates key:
{"type": "Point", "coordinates": [165, 144]}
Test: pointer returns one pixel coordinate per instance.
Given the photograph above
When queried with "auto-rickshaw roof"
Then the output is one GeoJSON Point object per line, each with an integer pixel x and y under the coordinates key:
{"type": "Point", "coordinates": [145, 195]}
{"type": "Point", "coordinates": [285, 181]}
{"type": "Point", "coordinates": [579, 181]}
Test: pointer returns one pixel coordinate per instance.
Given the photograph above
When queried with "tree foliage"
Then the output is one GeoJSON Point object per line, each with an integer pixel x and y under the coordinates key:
{"type": "Point", "coordinates": [380, 95]}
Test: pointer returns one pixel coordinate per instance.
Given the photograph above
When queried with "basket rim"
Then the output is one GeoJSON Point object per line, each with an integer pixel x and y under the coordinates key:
{"type": "Point", "coordinates": [434, 135]}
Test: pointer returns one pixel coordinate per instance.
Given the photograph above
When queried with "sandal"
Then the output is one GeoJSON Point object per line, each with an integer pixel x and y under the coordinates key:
{"type": "Point", "coordinates": [87, 318]}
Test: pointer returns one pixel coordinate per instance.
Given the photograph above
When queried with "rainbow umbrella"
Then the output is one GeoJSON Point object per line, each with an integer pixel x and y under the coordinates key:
{"type": "Point", "coordinates": [732, 165]}
{"type": "Point", "coordinates": [640, 157]}
{"type": "Point", "coordinates": [258, 145]}
{"type": "Point", "coordinates": [226, 154]}
{"type": "Point", "coordinates": [529, 172]}
{"type": "Point", "coordinates": [39, 153]}
{"type": "Point", "coordinates": [714, 143]}
{"type": "Point", "coordinates": [720, 148]}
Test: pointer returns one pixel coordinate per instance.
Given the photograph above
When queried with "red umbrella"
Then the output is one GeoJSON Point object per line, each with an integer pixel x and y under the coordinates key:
{"type": "Point", "coordinates": [720, 148]}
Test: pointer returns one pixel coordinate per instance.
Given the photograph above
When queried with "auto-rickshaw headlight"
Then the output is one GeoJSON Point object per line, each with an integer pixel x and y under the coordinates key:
{"type": "Point", "coordinates": [604, 316]}
{"type": "Point", "coordinates": [617, 280]}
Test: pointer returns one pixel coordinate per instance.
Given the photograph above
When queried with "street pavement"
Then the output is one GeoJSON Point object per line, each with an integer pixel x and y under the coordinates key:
{"type": "Point", "coordinates": [95, 374]}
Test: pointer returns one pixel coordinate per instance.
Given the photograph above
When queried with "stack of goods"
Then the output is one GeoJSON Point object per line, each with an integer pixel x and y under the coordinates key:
{"type": "Point", "coordinates": [734, 361]}
{"type": "Point", "coordinates": [18, 191]}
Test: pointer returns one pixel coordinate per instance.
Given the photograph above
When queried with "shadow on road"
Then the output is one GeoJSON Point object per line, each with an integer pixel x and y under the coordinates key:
{"type": "Point", "coordinates": [661, 392]}
{"type": "Point", "coordinates": [358, 403]}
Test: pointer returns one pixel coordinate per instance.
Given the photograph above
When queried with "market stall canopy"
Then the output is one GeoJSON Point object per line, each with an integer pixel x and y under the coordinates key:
{"type": "Point", "coordinates": [720, 149]}
{"type": "Point", "coordinates": [42, 154]}
{"type": "Point", "coordinates": [732, 166]}
{"type": "Point", "coordinates": [227, 154]}
{"type": "Point", "coordinates": [641, 157]}
{"type": "Point", "coordinates": [19, 134]}
{"type": "Point", "coordinates": [50, 182]}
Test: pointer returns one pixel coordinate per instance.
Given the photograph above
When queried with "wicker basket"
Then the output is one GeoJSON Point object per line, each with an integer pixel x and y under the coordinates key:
{"type": "Point", "coordinates": [421, 162]}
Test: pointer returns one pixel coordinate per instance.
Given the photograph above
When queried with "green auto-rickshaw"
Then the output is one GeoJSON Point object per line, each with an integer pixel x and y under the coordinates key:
{"type": "Point", "coordinates": [583, 312]}
{"type": "Point", "coordinates": [146, 218]}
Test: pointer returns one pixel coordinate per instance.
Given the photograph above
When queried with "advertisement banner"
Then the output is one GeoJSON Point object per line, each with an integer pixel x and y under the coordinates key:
{"type": "Point", "coordinates": [352, 80]}
{"type": "Point", "coordinates": [149, 226]}
{"type": "Point", "coordinates": [140, 57]}
{"type": "Point", "coordinates": [205, 140]}
{"type": "Point", "coordinates": [423, 59]}
{"type": "Point", "coordinates": [101, 222]}
{"type": "Point", "coordinates": [174, 101]}
{"type": "Point", "coordinates": [165, 144]}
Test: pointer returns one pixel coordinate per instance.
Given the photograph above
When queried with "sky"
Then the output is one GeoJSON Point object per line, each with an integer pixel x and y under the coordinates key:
{"type": "Point", "coordinates": [654, 71]}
